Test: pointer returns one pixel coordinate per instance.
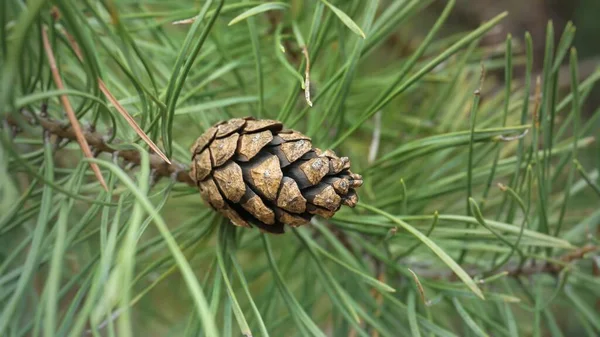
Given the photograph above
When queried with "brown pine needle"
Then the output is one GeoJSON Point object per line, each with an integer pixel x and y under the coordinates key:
{"type": "Point", "coordinates": [119, 107]}
{"type": "Point", "coordinates": [184, 21]}
{"type": "Point", "coordinates": [131, 121]}
{"type": "Point", "coordinates": [69, 109]}
{"type": "Point", "coordinates": [307, 77]}
{"type": "Point", "coordinates": [420, 288]}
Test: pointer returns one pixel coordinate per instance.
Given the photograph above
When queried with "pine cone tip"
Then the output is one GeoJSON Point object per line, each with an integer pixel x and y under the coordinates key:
{"type": "Point", "coordinates": [255, 172]}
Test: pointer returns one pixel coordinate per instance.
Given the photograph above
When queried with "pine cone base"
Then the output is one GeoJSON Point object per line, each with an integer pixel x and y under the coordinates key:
{"type": "Point", "coordinates": [255, 172]}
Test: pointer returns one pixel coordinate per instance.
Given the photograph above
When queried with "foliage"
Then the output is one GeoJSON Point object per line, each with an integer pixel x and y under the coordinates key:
{"type": "Point", "coordinates": [479, 215]}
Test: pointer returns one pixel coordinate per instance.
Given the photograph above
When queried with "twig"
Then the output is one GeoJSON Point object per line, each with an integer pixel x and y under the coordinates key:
{"type": "Point", "coordinates": [77, 132]}
{"type": "Point", "coordinates": [97, 141]}
{"type": "Point", "coordinates": [517, 271]}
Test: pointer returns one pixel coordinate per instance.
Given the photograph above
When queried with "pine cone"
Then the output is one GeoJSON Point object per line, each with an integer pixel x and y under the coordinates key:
{"type": "Point", "coordinates": [255, 172]}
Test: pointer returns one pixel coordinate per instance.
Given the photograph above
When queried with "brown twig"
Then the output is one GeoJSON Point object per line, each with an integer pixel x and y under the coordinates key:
{"type": "Point", "coordinates": [96, 141]}
{"type": "Point", "coordinates": [517, 271]}
{"type": "Point", "coordinates": [554, 268]}
{"type": "Point", "coordinates": [179, 171]}
{"type": "Point", "coordinates": [77, 132]}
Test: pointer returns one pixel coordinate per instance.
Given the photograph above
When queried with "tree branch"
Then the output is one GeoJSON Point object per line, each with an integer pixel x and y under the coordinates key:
{"type": "Point", "coordinates": [179, 171]}
{"type": "Point", "coordinates": [553, 268]}
{"type": "Point", "coordinates": [98, 145]}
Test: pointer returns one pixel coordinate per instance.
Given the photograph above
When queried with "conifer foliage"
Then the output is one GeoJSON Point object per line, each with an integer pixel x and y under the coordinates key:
{"type": "Point", "coordinates": [478, 210]}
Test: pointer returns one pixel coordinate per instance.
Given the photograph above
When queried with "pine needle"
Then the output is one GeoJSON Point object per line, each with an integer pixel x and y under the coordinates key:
{"type": "Point", "coordinates": [131, 121]}
{"type": "Point", "coordinates": [69, 109]}
{"type": "Point", "coordinates": [119, 107]}
{"type": "Point", "coordinates": [307, 77]}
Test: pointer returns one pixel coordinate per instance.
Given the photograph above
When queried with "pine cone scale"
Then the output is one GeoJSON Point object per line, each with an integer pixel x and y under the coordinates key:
{"type": "Point", "coordinates": [210, 192]}
{"type": "Point", "coordinates": [230, 181]}
{"type": "Point", "coordinates": [231, 126]}
{"type": "Point", "coordinates": [234, 217]}
{"type": "Point", "coordinates": [202, 166]}
{"type": "Point", "coordinates": [251, 144]}
{"type": "Point", "coordinates": [312, 209]}
{"type": "Point", "coordinates": [222, 149]}
{"type": "Point", "coordinates": [257, 207]}
{"type": "Point", "coordinates": [324, 196]}
{"type": "Point", "coordinates": [290, 135]}
{"type": "Point", "coordinates": [254, 172]}
{"type": "Point", "coordinates": [290, 198]}
{"type": "Point", "coordinates": [290, 218]}
{"type": "Point", "coordinates": [265, 176]}
{"type": "Point", "coordinates": [315, 169]}
{"type": "Point", "coordinates": [276, 150]}
{"type": "Point", "coordinates": [262, 124]}
{"type": "Point", "coordinates": [293, 150]}
{"type": "Point", "coordinates": [203, 141]}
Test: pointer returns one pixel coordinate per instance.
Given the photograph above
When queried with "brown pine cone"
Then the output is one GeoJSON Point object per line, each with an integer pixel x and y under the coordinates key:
{"type": "Point", "coordinates": [256, 172]}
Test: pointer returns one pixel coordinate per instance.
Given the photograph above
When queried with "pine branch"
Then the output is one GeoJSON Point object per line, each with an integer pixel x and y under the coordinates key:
{"type": "Point", "coordinates": [98, 144]}
{"type": "Point", "coordinates": [552, 268]}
